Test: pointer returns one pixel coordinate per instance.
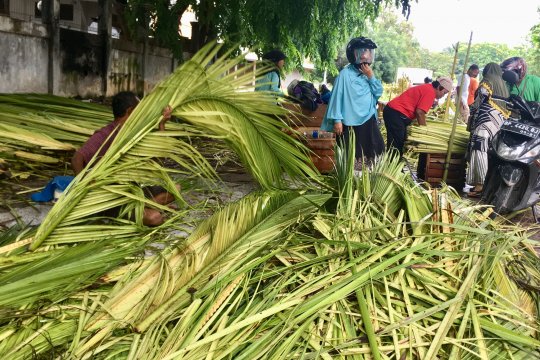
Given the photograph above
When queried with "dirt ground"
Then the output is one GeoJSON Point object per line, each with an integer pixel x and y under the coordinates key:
{"type": "Point", "coordinates": [15, 196]}
{"type": "Point", "coordinates": [15, 204]}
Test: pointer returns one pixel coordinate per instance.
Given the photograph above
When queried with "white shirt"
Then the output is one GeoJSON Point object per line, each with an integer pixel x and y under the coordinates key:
{"type": "Point", "coordinates": [465, 90]}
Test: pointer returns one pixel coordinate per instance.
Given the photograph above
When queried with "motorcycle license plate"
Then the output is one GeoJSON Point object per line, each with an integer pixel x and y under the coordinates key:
{"type": "Point", "coordinates": [520, 128]}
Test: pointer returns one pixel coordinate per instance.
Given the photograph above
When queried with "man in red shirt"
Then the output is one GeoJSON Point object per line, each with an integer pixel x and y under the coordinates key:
{"type": "Point", "coordinates": [123, 104]}
{"type": "Point", "coordinates": [412, 104]}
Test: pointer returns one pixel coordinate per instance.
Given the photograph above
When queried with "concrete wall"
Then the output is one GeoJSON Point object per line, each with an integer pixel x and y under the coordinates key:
{"type": "Point", "coordinates": [126, 67]}
{"type": "Point", "coordinates": [24, 60]}
{"type": "Point", "coordinates": [23, 56]}
{"type": "Point", "coordinates": [158, 65]}
{"type": "Point", "coordinates": [80, 63]}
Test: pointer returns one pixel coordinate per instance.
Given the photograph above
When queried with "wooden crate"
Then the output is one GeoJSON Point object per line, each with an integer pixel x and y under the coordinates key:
{"type": "Point", "coordinates": [323, 154]}
{"type": "Point", "coordinates": [322, 148]}
{"type": "Point", "coordinates": [431, 169]}
{"type": "Point", "coordinates": [308, 118]}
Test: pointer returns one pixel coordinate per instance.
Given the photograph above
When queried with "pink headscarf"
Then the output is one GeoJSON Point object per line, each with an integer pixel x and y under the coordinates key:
{"type": "Point", "coordinates": [516, 64]}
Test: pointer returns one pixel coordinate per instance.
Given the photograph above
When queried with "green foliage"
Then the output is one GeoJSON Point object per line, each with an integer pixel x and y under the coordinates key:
{"type": "Point", "coordinates": [396, 45]}
{"type": "Point", "coordinates": [440, 63]}
{"type": "Point", "coordinates": [142, 20]}
{"type": "Point", "coordinates": [533, 56]}
{"type": "Point", "coordinates": [302, 29]}
{"type": "Point", "coordinates": [483, 53]}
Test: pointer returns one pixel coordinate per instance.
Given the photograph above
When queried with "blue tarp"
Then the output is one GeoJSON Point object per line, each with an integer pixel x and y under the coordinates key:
{"type": "Point", "coordinates": [57, 183]}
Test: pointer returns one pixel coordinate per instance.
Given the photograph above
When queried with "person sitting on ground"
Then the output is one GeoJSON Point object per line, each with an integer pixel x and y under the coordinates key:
{"type": "Point", "coordinates": [123, 105]}
{"type": "Point", "coordinates": [413, 103]}
{"type": "Point", "coordinates": [428, 80]}
{"type": "Point", "coordinates": [487, 116]}
{"type": "Point", "coordinates": [353, 105]}
{"type": "Point", "coordinates": [271, 81]}
{"type": "Point", "coordinates": [463, 86]}
{"type": "Point", "coordinates": [528, 86]}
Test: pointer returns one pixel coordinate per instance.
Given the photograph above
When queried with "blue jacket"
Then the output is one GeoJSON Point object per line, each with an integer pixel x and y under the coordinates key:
{"type": "Point", "coordinates": [269, 82]}
{"type": "Point", "coordinates": [354, 99]}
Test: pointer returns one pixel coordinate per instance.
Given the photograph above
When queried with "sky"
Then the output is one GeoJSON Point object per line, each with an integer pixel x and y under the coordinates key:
{"type": "Point", "coordinates": [440, 23]}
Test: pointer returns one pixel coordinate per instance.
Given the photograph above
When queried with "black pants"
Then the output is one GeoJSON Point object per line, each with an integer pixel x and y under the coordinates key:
{"type": "Point", "coordinates": [368, 139]}
{"type": "Point", "coordinates": [396, 128]}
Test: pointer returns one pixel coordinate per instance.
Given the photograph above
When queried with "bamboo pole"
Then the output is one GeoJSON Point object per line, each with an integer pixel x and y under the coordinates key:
{"type": "Point", "coordinates": [449, 98]}
{"type": "Point", "coordinates": [456, 115]}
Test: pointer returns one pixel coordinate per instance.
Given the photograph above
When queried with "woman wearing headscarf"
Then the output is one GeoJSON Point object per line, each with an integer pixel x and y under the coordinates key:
{"type": "Point", "coordinates": [487, 116]}
{"type": "Point", "coordinates": [353, 104]}
{"type": "Point", "coordinates": [271, 81]}
{"type": "Point", "coordinates": [528, 86]}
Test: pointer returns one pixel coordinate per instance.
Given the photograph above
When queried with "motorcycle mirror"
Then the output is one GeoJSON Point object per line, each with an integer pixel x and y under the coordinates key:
{"type": "Point", "coordinates": [510, 77]}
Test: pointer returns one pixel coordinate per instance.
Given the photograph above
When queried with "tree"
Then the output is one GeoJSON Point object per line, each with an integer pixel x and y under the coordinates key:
{"type": "Point", "coordinates": [533, 55]}
{"type": "Point", "coordinates": [396, 45]}
{"type": "Point", "coordinates": [302, 29]}
{"type": "Point", "coordinates": [483, 53]}
{"type": "Point", "coordinates": [439, 62]}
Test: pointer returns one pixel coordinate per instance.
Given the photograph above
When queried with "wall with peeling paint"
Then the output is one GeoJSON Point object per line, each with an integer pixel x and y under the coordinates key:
{"type": "Point", "coordinates": [24, 62]}
{"type": "Point", "coordinates": [23, 57]}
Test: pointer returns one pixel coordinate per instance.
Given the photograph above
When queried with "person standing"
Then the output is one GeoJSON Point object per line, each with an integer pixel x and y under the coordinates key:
{"type": "Point", "coordinates": [463, 86]}
{"type": "Point", "coordinates": [353, 105]}
{"type": "Point", "coordinates": [271, 81]}
{"type": "Point", "coordinates": [412, 104]}
{"type": "Point", "coordinates": [528, 86]}
{"type": "Point", "coordinates": [487, 116]}
{"type": "Point", "coordinates": [473, 86]}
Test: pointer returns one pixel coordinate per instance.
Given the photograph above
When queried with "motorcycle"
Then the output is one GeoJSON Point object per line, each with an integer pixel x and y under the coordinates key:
{"type": "Point", "coordinates": [513, 178]}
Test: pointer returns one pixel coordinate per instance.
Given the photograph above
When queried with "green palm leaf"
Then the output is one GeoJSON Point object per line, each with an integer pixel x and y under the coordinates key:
{"type": "Point", "coordinates": [200, 94]}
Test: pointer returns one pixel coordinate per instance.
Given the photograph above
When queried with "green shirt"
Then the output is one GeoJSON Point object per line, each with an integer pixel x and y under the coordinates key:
{"type": "Point", "coordinates": [529, 88]}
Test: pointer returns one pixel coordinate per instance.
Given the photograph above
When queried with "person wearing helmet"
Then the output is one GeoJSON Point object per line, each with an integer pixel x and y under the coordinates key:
{"type": "Point", "coordinates": [271, 81]}
{"type": "Point", "coordinates": [353, 105]}
{"type": "Point", "coordinates": [528, 86]}
{"type": "Point", "coordinates": [412, 104]}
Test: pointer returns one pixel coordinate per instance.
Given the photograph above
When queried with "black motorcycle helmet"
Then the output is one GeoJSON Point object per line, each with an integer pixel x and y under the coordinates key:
{"type": "Point", "coordinates": [356, 43]}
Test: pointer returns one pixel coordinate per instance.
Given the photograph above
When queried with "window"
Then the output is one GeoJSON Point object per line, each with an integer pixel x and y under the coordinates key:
{"type": "Point", "coordinates": [4, 7]}
{"type": "Point", "coordinates": [37, 10]}
{"type": "Point", "coordinates": [66, 12]}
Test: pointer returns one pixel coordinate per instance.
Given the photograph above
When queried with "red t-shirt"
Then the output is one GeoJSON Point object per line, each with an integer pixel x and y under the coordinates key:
{"type": "Point", "coordinates": [92, 145]}
{"type": "Point", "coordinates": [417, 97]}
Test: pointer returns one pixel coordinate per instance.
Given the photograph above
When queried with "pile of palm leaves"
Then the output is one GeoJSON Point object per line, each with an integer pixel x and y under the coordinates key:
{"type": "Point", "coordinates": [435, 137]}
{"type": "Point", "coordinates": [385, 270]}
{"type": "Point", "coordinates": [379, 268]}
{"type": "Point", "coordinates": [40, 132]}
{"type": "Point", "coordinates": [207, 97]}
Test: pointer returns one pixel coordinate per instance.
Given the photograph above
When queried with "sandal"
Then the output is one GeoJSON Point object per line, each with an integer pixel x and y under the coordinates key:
{"type": "Point", "coordinates": [474, 194]}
